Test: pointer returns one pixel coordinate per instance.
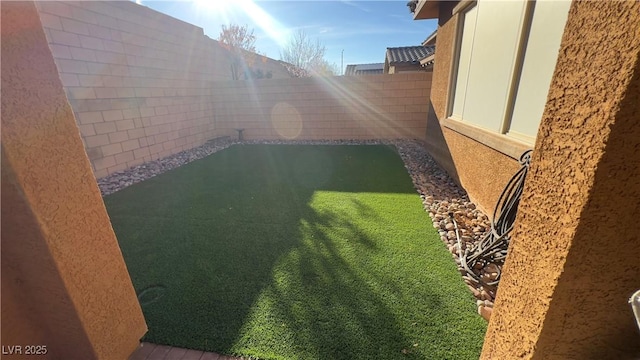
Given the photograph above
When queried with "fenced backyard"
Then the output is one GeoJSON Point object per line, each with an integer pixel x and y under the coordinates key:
{"type": "Point", "coordinates": [294, 252]}
{"type": "Point", "coordinates": [238, 246]}
{"type": "Point", "coordinates": [269, 251]}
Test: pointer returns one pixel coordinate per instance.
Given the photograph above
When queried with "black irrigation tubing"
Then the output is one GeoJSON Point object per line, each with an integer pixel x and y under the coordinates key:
{"type": "Point", "coordinates": [493, 248]}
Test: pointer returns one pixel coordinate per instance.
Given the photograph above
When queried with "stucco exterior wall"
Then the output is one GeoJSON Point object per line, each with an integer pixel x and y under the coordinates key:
{"type": "Point", "coordinates": [139, 81]}
{"type": "Point", "coordinates": [482, 171]}
{"type": "Point", "coordinates": [445, 43]}
{"type": "Point", "coordinates": [64, 281]}
{"type": "Point", "coordinates": [573, 260]}
{"type": "Point", "coordinates": [351, 107]}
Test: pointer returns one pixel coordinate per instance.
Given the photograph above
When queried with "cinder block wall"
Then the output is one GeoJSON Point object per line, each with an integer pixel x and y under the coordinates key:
{"type": "Point", "coordinates": [139, 81]}
{"type": "Point", "coordinates": [350, 107]}
{"type": "Point", "coordinates": [144, 85]}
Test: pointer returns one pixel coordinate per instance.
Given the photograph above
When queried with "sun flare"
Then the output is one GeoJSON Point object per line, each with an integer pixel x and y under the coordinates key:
{"type": "Point", "coordinates": [229, 11]}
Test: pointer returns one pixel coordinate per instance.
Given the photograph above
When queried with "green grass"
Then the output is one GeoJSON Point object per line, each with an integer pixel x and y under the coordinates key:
{"type": "Point", "coordinates": [294, 252]}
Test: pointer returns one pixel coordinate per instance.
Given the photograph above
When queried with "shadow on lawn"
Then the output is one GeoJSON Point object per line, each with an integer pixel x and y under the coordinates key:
{"type": "Point", "coordinates": [242, 253]}
{"type": "Point", "coordinates": [338, 308]}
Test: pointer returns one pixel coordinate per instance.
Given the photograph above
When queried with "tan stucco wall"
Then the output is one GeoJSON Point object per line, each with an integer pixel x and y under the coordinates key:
{"type": "Point", "coordinates": [348, 107]}
{"type": "Point", "coordinates": [573, 260]}
{"type": "Point", "coordinates": [445, 43]}
{"type": "Point", "coordinates": [138, 81]}
{"type": "Point", "coordinates": [64, 281]}
{"type": "Point", "coordinates": [481, 170]}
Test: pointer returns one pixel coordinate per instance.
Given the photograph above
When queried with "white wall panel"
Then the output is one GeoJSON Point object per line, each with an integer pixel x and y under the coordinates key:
{"type": "Point", "coordinates": [547, 27]}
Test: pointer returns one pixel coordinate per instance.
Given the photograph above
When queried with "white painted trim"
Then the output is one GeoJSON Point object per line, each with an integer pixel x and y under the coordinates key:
{"type": "Point", "coordinates": [463, 6]}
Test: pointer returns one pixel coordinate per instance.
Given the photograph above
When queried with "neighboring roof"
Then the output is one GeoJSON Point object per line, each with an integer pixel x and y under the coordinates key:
{"type": "Point", "coordinates": [431, 39]}
{"type": "Point", "coordinates": [428, 61]}
{"type": "Point", "coordinates": [364, 69]}
{"type": "Point", "coordinates": [409, 54]}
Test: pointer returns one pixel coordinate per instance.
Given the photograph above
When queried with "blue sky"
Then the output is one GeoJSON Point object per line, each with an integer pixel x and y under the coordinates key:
{"type": "Point", "coordinates": [363, 29]}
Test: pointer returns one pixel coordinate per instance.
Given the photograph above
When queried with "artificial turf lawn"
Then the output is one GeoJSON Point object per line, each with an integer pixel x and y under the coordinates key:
{"type": "Point", "coordinates": [294, 252]}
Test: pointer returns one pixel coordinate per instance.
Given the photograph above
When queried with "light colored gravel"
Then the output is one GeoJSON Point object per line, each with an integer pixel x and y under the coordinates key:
{"type": "Point", "coordinates": [440, 195]}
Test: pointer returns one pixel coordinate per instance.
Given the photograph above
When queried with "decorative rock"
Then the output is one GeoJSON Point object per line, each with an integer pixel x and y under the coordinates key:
{"type": "Point", "coordinates": [485, 312]}
{"type": "Point", "coordinates": [470, 279]}
{"type": "Point", "coordinates": [492, 276]}
{"type": "Point", "coordinates": [486, 277]}
{"type": "Point", "coordinates": [474, 291]}
{"type": "Point", "coordinates": [491, 268]}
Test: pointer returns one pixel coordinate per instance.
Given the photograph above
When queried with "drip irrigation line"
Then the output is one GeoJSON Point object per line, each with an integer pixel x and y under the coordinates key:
{"type": "Point", "coordinates": [494, 246]}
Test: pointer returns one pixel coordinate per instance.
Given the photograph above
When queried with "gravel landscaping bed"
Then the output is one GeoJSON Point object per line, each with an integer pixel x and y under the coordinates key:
{"type": "Point", "coordinates": [439, 193]}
